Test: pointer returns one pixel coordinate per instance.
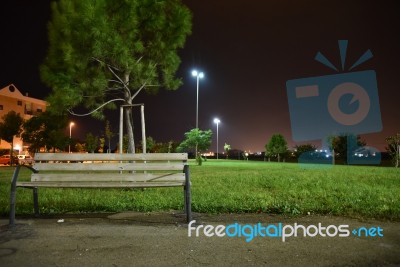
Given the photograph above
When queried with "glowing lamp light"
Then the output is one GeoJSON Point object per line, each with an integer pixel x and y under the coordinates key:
{"type": "Point", "coordinates": [195, 73]}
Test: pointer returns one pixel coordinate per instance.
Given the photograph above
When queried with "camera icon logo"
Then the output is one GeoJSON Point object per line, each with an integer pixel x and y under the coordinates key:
{"type": "Point", "coordinates": [340, 103]}
{"type": "Point", "coordinates": [333, 104]}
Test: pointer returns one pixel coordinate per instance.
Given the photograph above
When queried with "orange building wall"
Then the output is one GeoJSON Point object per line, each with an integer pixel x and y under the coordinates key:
{"type": "Point", "coordinates": [12, 99]}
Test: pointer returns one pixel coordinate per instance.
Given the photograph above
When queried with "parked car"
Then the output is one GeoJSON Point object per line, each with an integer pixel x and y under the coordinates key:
{"type": "Point", "coordinates": [25, 160]}
{"type": "Point", "coordinates": [5, 160]}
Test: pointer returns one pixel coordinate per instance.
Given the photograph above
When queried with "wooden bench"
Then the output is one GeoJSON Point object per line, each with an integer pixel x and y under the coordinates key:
{"type": "Point", "coordinates": [94, 170]}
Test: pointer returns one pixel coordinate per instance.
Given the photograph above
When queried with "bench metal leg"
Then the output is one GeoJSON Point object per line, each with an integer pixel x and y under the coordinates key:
{"type": "Point", "coordinates": [36, 201]}
{"type": "Point", "coordinates": [184, 199]}
{"type": "Point", "coordinates": [13, 195]}
{"type": "Point", "coordinates": [187, 195]}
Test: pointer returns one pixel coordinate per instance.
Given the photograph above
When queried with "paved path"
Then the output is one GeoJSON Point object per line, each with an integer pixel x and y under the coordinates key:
{"type": "Point", "coordinates": [161, 239]}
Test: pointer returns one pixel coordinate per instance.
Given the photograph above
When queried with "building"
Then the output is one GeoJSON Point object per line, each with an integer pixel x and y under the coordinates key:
{"type": "Point", "coordinates": [12, 99]}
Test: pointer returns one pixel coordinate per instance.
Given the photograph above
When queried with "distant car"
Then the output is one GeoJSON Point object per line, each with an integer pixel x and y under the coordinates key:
{"type": "Point", "coordinates": [25, 160]}
{"type": "Point", "coordinates": [5, 160]}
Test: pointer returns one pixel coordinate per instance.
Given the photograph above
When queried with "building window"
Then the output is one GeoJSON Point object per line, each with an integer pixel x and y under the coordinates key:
{"type": "Point", "coordinates": [19, 103]}
{"type": "Point", "coordinates": [39, 110]}
{"type": "Point", "coordinates": [1, 107]}
{"type": "Point", "coordinates": [28, 108]}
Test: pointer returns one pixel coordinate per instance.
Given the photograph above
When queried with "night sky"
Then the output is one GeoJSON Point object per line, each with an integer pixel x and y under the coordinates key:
{"type": "Point", "coordinates": [247, 51]}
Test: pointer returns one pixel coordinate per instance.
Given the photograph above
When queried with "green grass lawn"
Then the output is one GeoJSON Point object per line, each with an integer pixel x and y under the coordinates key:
{"type": "Point", "coordinates": [236, 186]}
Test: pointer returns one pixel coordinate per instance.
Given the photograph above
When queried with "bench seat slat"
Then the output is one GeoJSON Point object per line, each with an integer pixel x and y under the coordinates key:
{"type": "Point", "coordinates": [109, 157]}
{"type": "Point", "coordinates": [98, 184]}
{"type": "Point", "coordinates": [108, 177]}
{"type": "Point", "coordinates": [100, 166]}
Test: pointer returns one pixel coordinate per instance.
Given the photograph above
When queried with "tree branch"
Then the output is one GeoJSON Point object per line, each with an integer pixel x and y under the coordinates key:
{"type": "Point", "coordinates": [96, 109]}
{"type": "Point", "coordinates": [108, 65]}
{"type": "Point", "coordinates": [138, 91]}
{"type": "Point", "coordinates": [119, 78]}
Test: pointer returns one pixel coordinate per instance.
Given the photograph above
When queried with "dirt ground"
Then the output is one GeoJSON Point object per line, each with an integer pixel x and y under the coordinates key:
{"type": "Point", "coordinates": [161, 239]}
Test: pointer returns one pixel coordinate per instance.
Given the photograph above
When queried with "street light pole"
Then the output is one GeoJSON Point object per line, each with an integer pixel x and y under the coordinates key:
{"type": "Point", "coordinates": [198, 75]}
{"type": "Point", "coordinates": [70, 135]}
{"type": "Point", "coordinates": [217, 121]}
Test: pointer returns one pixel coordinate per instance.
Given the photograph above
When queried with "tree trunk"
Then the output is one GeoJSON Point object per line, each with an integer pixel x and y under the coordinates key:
{"type": "Point", "coordinates": [12, 152]}
{"type": "Point", "coordinates": [129, 117]}
{"type": "Point", "coordinates": [129, 129]}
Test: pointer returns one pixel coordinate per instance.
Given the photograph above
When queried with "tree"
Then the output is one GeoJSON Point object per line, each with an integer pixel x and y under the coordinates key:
{"type": "Point", "coordinates": [158, 147]}
{"type": "Point", "coordinates": [301, 149]}
{"type": "Point", "coordinates": [165, 147]}
{"type": "Point", "coordinates": [10, 127]}
{"type": "Point", "coordinates": [227, 148]}
{"type": "Point", "coordinates": [92, 142]}
{"type": "Point", "coordinates": [150, 144]}
{"type": "Point", "coordinates": [108, 134]}
{"type": "Point", "coordinates": [125, 142]}
{"type": "Point", "coordinates": [102, 142]}
{"type": "Point", "coordinates": [343, 145]}
{"type": "Point", "coordinates": [277, 145]}
{"type": "Point", "coordinates": [109, 50]}
{"type": "Point", "coordinates": [45, 130]}
{"type": "Point", "coordinates": [196, 139]}
{"type": "Point", "coordinates": [393, 148]}
{"type": "Point", "coordinates": [79, 147]}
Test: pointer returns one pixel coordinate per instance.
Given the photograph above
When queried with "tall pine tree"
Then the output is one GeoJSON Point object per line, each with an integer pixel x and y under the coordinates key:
{"type": "Point", "coordinates": [101, 51]}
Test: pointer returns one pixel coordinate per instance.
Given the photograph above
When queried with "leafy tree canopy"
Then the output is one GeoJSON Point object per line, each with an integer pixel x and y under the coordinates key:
{"type": "Point", "coordinates": [109, 48]}
{"type": "Point", "coordinates": [300, 149]}
{"type": "Point", "coordinates": [277, 145]}
{"type": "Point", "coordinates": [196, 137]}
{"type": "Point", "coordinates": [227, 147]}
{"type": "Point", "coordinates": [92, 142]}
{"type": "Point", "coordinates": [344, 144]}
{"type": "Point", "coordinates": [45, 130]}
{"type": "Point", "coordinates": [393, 148]}
{"type": "Point", "coordinates": [10, 126]}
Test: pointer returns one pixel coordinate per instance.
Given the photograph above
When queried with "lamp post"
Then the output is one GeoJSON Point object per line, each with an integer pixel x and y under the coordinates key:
{"type": "Point", "coordinates": [198, 75]}
{"type": "Point", "coordinates": [70, 135]}
{"type": "Point", "coordinates": [217, 121]}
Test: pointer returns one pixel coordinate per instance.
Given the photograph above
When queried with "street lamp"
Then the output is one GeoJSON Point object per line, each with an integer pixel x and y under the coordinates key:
{"type": "Point", "coordinates": [70, 134]}
{"type": "Point", "coordinates": [217, 121]}
{"type": "Point", "coordinates": [198, 75]}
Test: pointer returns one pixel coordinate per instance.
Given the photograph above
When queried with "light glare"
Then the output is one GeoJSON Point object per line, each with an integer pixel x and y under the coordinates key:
{"type": "Point", "coordinates": [195, 73]}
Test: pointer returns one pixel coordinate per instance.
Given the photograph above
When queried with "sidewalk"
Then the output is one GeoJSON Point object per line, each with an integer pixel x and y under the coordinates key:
{"type": "Point", "coordinates": [161, 239]}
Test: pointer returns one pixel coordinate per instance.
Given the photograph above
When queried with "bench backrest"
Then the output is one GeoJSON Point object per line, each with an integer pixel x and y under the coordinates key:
{"type": "Point", "coordinates": [101, 167]}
